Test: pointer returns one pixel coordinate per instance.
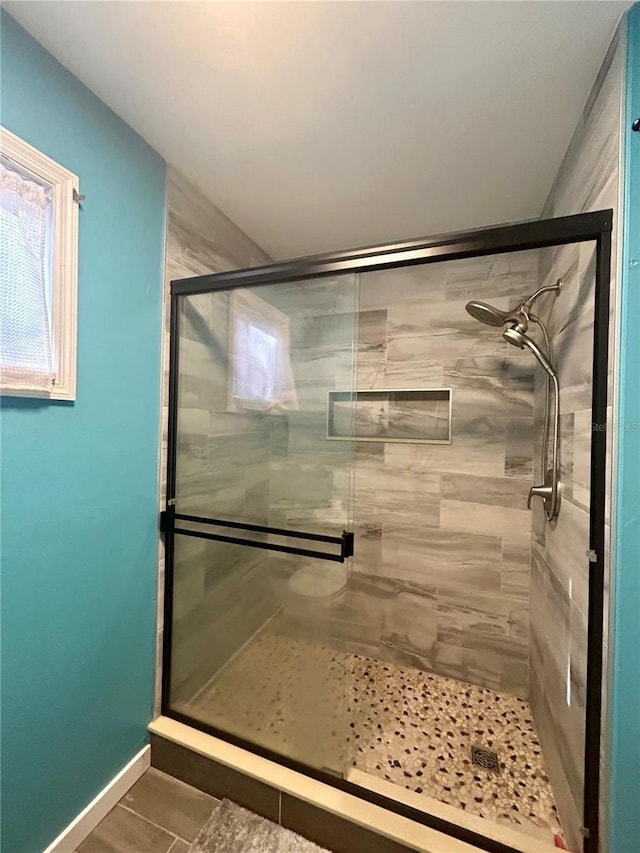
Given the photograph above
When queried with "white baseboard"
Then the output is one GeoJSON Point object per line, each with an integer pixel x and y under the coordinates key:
{"type": "Point", "coordinates": [80, 827]}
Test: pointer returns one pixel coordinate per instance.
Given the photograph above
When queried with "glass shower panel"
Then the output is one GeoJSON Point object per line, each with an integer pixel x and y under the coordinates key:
{"type": "Point", "coordinates": [253, 648]}
{"type": "Point", "coordinates": [470, 670]}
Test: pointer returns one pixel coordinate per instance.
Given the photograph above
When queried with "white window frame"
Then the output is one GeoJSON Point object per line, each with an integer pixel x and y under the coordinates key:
{"type": "Point", "coordinates": [64, 263]}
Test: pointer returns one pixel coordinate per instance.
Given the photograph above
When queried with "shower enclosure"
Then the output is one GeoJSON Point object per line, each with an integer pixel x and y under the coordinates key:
{"type": "Point", "coordinates": [356, 587]}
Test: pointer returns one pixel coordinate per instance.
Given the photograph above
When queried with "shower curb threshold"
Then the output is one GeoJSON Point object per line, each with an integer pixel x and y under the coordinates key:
{"type": "Point", "coordinates": [529, 839]}
{"type": "Point", "coordinates": [398, 830]}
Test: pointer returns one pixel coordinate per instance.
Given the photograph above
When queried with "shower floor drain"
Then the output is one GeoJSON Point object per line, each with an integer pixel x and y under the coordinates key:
{"type": "Point", "coordinates": [486, 758]}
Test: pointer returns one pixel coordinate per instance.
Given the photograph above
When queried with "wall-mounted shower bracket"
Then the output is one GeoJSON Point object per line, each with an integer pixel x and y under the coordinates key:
{"type": "Point", "coordinates": [545, 492]}
{"type": "Point", "coordinates": [549, 491]}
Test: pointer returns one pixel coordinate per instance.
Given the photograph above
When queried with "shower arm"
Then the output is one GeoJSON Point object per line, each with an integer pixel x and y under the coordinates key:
{"type": "Point", "coordinates": [549, 490]}
{"type": "Point", "coordinates": [548, 288]}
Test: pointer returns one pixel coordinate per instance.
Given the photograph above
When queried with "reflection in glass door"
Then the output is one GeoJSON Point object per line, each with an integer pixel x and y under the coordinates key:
{"type": "Point", "coordinates": [263, 515]}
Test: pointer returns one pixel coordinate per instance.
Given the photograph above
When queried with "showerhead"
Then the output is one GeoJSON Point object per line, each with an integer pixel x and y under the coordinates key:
{"type": "Point", "coordinates": [516, 323]}
{"type": "Point", "coordinates": [492, 316]}
{"type": "Point", "coordinates": [486, 313]}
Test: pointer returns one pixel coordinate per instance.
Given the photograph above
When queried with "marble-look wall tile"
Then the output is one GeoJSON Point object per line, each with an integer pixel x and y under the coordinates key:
{"type": "Point", "coordinates": [235, 603]}
{"type": "Point", "coordinates": [588, 179]}
{"type": "Point", "coordinates": [368, 558]}
{"type": "Point", "coordinates": [430, 332]}
{"type": "Point", "coordinates": [411, 372]}
{"type": "Point", "coordinates": [327, 296]}
{"type": "Point", "coordinates": [581, 458]}
{"type": "Point", "coordinates": [558, 632]}
{"type": "Point", "coordinates": [477, 666]}
{"type": "Point", "coordinates": [417, 285]}
{"type": "Point", "coordinates": [518, 448]}
{"type": "Point", "coordinates": [427, 517]}
{"type": "Point", "coordinates": [189, 572]}
{"type": "Point", "coordinates": [372, 334]}
{"type": "Point", "coordinates": [495, 491]}
{"type": "Point", "coordinates": [513, 274]}
{"type": "Point", "coordinates": [433, 584]}
{"type": "Point", "coordinates": [202, 235]}
{"type": "Point", "coordinates": [313, 335]}
{"type": "Point", "coordinates": [399, 621]}
{"type": "Point", "coordinates": [419, 418]}
{"type": "Point", "coordinates": [478, 447]}
{"type": "Point", "coordinates": [365, 419]}
{"type": "Point", "coordinates": [435, 556]}
{"type": "Point", "coordinates": [515, 572]}
{"type": "Point", "coordinates": [387, 495]}
{"type": "Point", "coordinates": [484, 622]}
{"type": "Point", "coordinates": [484, 518]}
{"type": "Point", "coordinates": [574, 266]}
{"type": "Point", "coordinates": [200, 239]}
{"type": "Point", "coordinates": [193, 425]}
{"type": "Point", "coordinates": [565, 552]}
{"type": "Point", "coordinates": [409, 625]}
{"type": "Point", "coordinates": [233, 437]}
{"type": "Point", "coordinates": [203, 378]}
{"type": "Point", "coordinates": [567, 444]}
{"type": "Point", "coordinates": [487, 386]}
{"type": "Point", "coordinates": [573, 353]}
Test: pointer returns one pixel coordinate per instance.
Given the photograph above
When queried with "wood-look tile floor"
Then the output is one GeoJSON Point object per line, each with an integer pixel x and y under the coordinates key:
{"type": "Point", "coordinates": [159, 814]}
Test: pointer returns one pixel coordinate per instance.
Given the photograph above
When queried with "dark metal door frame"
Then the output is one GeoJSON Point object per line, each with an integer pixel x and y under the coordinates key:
{"type": "Point", "coordinates": [538, 234]}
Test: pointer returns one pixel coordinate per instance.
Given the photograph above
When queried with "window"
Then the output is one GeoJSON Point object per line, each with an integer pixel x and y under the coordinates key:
{"type": "Point", "coordinates": [38, 273]}
{"type": "Point", "coordinates": [260, 374]}
{"type": "Point", "coordinates": [255, 374]}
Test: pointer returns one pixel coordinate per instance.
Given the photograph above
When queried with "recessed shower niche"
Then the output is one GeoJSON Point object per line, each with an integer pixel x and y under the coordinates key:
{"type": "Point", "coordinates": [364, 580]}
{"type": "Point", "coordinates": [415, 416]}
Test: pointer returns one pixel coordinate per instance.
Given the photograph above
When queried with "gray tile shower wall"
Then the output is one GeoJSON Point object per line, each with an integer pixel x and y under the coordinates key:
{"type": "Point", "coordinates": [200, 239]}
{"type": "Point", "coordinates": [310, 475]}
{"type": "Point", "coordinates": [454, 531]}
{"type": "Point", "coordinates": [589, 179]}
{"type": "Point", "coordinates": [442, 556]}
{"type": "Point", "coordinates": [221, 591]}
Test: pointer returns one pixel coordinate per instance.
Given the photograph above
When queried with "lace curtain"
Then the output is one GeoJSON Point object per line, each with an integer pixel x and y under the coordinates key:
{"type": "Point", "coordinates": [26, 360]}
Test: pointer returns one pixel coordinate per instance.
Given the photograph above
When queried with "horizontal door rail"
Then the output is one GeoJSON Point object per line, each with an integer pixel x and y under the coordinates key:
{"type": "Point", "coordinates": [269, 546]}
{"type": "Point", "coordinates": [259, 528]}
{"type": "Point", "coordinates": [345, 541]}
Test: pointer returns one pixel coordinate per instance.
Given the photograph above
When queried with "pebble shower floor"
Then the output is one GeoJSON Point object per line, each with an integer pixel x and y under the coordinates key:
{"type": "Point", "coordinates": [408, 727]}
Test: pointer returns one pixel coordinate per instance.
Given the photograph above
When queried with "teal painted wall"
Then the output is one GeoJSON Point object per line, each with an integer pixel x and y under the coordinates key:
{"type": "Point", "coordinates": [79, 481]}
{"type": "Point", "coordinates": [625, 759]}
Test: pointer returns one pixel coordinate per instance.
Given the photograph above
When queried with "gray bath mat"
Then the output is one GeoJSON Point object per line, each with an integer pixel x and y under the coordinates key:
{"type": "Point", "coordinates": [231, 829]}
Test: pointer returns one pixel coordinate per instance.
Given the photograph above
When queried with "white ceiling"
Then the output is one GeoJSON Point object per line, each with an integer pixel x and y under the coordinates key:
{"type": "Point", "coordinates": [322, 125]}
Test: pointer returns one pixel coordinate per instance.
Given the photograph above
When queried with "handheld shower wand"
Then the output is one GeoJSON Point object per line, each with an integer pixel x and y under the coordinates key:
{"type": "Point", "coordinates": [515, 325]}
{"type": "Point", "coordinates": [549, 490]}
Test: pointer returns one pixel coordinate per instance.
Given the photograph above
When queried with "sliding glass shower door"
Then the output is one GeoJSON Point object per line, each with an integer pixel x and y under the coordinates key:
{"type": "Point", "coordinates": [260, 524]}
